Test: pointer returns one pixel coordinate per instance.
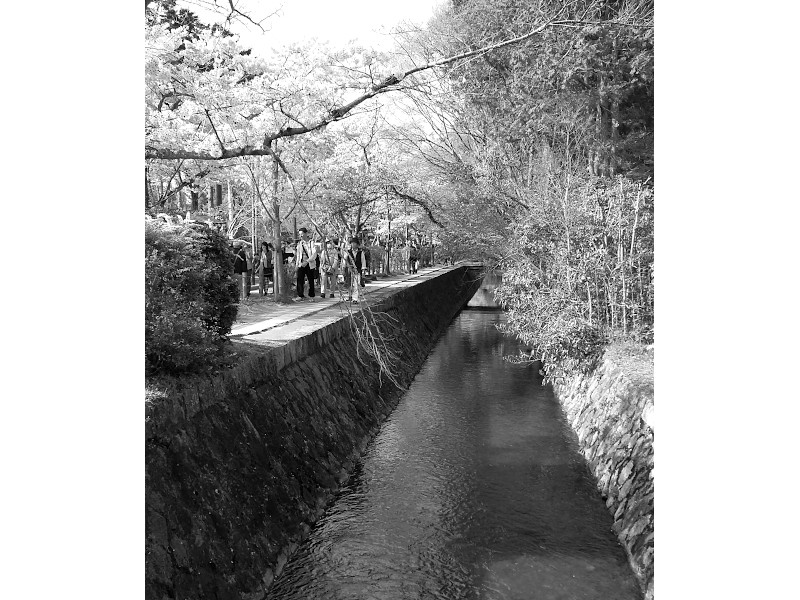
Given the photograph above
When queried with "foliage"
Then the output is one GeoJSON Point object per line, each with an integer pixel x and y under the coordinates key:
{"type": "Point", "coordinates": [206, 93]}
{"type": "Point", "coordinates": [536, 156]}
{"type": "Point", "coordinates": [190, 296]}
{"type": "Point", "coordinates": [588, 86]}
{"type": "Point", "coordinates": [580, 274]}
{"type": "Point", "coordinates": [546, 146]}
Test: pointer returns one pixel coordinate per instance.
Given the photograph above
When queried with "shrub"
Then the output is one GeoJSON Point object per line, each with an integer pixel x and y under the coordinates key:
{"type": "Point", "coordinates": [190, 296]}
{"type": "Point", "coordinates": [553, 326]}
{"type": "Point", "coordinates": [578, 272]}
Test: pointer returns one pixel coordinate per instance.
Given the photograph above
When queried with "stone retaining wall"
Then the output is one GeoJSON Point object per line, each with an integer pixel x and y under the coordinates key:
{"type": "Point", "coordinates": [484, 296]}
{"type": "Point", "coordinates": [239, 464]}
{"type": "Point", "coordinates": [608, 410]}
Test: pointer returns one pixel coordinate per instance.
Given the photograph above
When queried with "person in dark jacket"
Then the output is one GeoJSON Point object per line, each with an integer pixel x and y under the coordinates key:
{"type": "Point", "coordinates": [240, 270]}
{"type": "Point", "coordinates": [248, 252]}
{"type": "Point", "coordinates": [413, 258]}
{"type": "Point", "coordinates": [354, 264]}
{"type": "Point", "coordinates": [264, 267]}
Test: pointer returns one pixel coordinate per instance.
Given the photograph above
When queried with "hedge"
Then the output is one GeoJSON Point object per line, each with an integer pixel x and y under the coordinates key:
{"type": "Point", "coordinates": [190, 296]}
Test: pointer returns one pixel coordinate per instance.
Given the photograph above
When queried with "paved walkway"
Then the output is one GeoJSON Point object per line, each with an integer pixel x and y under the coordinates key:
{"type": "Point", "coordinates": [260, 313]}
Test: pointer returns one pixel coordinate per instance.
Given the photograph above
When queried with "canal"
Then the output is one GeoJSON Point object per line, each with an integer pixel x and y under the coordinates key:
{"type": "Point", "coordinates": [472, 489]}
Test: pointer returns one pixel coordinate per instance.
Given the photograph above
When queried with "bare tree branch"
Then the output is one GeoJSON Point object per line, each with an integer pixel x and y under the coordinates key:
{"type": "Point", "coordinates": [421, 203]}
{"type": "Point", "coordinates": [390, 83]}
{"type": "Point", "coordinates": [221, 145]}
{"type": "Point", "coordinates": [236, 11]}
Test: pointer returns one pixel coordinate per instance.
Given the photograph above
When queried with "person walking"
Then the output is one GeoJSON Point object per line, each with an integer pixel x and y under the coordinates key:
{"type": "Point", "coordinates": [338, 250]}
{"type": "Point", "coordinates": [402, 253]}
{"type": "Point", "coordinates": [305, 258]}
{"type": "Point", "coordinates": [329, 267]}
{"type": "Point", "coordinates": [355, 262]}
{"type": "Point", "coordinates": [264, 268]}
{"type": "Point", "coordinates": [248, 252]}
{"type": "Point", "coordinates": [413, 258]}
{"type": "Point", "coordinates": [240, 270]}
{"type": "Point", "coordinates": [367, 259]}
{"type": "Point", "coordinates": [318, 246]}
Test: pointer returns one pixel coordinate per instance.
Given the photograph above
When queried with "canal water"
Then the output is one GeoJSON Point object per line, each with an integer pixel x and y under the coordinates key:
{"type": "Point", "coordinates": [472, 489]}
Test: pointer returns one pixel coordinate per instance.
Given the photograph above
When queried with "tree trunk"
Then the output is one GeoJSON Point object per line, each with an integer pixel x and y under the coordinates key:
{"type": "Point", "coordinates": [148, 192]}
{"type": "Point", "coordinates": [624, 303]}
{"type": "Point", "coordinates": [642, 299]}
{"type": "Point", "coordinates": [253, 233]}
{"type": "Point", "coordinates": [230, 206]}
{"type": "Point", "coordinates": [388, 235]}
{"type": "Point", "coordinates": [597, 158]}
{"type": "Point", "coordinates": [278, 285]}
{"type": "Point", "coordinates": [566, 231]}
{"type": "Point", "coordinates": [592, 149]}
{"type": "Point", "coordinates": [597, 299]}
{"type": "Point", "coordinates": [614, 124]}
{"type": "Point", "coordinates": [610, 300]}
{"type": "Point", "coordinates": [622, 266]}
{"type": "Point", "coordinates": [613, 160]}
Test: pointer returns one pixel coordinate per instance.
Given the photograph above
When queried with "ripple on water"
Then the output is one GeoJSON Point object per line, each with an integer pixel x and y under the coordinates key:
{"type": "Point", "coordinates": [473, 489]}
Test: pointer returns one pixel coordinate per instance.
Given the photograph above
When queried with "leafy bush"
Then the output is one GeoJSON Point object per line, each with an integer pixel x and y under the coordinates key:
{"type": "Point", "coordinates": [190, 296]}
{"type": "Point", "coordinates": [550, 323]}
{"type": "Point", "coordinates": [578, 272]}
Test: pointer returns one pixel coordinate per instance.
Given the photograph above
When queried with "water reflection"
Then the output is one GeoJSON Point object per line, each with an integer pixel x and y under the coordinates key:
{"type": "Point", "coordinates": [472, 489]}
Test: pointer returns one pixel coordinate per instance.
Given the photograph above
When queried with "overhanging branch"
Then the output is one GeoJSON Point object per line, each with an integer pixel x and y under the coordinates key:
{"type": "Point", "coordinates": [335, 114]}
{"type": "Point", "coordinates": [421, 203]}
{"type": "Point", "coordinates": [338, 113]}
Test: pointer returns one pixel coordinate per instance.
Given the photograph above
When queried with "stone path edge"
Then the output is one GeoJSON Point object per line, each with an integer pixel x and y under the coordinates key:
{"type": "Point", "coordinates": [188, 395]}
{"type": "Point", "coordinates": [387, 285]}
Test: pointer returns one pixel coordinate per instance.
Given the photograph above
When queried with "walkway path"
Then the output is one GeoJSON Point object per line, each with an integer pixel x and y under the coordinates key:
{"type": "Point", "coordinates": [260, 314]}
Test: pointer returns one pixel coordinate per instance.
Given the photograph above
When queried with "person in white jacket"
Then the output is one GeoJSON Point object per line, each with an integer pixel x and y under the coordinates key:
{"type": "Point", "coordinates": [305, 257]}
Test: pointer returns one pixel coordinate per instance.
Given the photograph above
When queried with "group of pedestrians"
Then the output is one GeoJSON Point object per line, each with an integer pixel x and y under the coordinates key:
{"type": "Point", "coordinates": [246, 266]}
{"type": "Point", "coordinates": [335, 266]}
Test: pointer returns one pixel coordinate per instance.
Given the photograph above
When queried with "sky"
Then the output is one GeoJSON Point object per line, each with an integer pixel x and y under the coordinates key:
{"type": "Point", "coordinates": [366, 21]}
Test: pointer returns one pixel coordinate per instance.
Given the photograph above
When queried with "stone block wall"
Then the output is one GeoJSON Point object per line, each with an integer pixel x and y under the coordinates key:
{"type": "Point", "coordinates": [609, 411]}
{"type": "Point", "coordinates": [484, 296]}
{"type": "Point", "coordinates": [239, 464]}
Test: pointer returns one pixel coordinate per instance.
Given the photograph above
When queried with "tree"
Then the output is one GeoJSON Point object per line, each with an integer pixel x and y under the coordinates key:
{"type": "Point", "coordinates": [521, 113]}
{"type": "Point", "coordinates": [220, 119]}
{"type": "Point", "coordinates": [532, 138]}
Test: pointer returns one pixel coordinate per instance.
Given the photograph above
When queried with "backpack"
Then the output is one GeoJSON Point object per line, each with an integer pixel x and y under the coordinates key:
{"type": "Point", "coordinates": [327, 264]}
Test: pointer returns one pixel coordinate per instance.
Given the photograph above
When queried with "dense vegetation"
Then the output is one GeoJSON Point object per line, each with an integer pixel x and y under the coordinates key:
{"type": "Point", "coordinates": [517, 132]}
{"type": "Point", "coordinates": [549, 143]}
{"type": "Point", "coordinates": [190, 296]}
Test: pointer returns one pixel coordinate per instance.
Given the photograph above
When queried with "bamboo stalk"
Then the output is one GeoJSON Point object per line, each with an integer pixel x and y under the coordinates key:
{"type": "Point", "coordinates": [589, 293]}
{"type": "Point", "coordinates": [622, 266]}
{"type": "Point", "coordinates": [635, 221]}
{"type": "Point", "coordinates": [624, 304]}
